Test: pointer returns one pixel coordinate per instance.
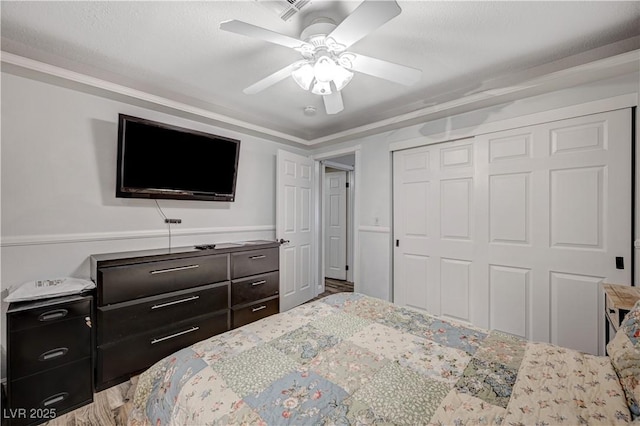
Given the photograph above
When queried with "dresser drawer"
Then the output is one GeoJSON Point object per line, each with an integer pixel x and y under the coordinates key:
{"type": "Point", "coordinates": [40, 348]}
{"type": "Point", "coordinates": [50, 314]}
{"type": "Point", "coordinates": [255, 312]}
{"type": "Point", "coordinates": [254, 288]}
{"type": "Point", "coordinates": [254, 262]}
{"type": "Point", "coordinates": [123, 283]}
{"type": "Point", "coordinates": [129, 318]}
{"type": "Point", "coordinates": [57, 390]}
{"type": "Point", "coordinates": [126, 357]}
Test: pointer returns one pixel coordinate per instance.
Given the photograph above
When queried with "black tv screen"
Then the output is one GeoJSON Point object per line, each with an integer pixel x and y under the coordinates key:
{"type": "Point", "coordinates": [158, 160]}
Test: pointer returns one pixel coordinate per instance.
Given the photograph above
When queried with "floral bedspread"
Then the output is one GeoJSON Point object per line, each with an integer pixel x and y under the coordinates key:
{"type": "Point", "coordinates": [352, 359]}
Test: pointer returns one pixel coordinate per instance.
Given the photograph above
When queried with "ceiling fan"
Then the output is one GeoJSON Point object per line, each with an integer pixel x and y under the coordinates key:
{"type": "Point", "coordinates": [326, 67]}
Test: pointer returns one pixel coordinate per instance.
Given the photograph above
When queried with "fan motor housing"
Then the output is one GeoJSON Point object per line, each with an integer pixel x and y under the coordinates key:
{"type": "Point", "coordinates": [320, 28]}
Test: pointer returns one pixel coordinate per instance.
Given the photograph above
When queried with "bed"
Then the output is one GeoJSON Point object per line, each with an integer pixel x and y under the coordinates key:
{"type": "Point", "coordinates": [353, 359]}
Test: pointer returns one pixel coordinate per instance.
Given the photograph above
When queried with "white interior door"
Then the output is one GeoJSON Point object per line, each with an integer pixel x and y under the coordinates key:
{"type": "Point", "coordinates": [335, 225]}
{"type": "Point", "coordinates": [433, 228]}
{"type": "Point", "coordinates": [294, 224]}
{"type": "Point", "coordinates": [516, 230]}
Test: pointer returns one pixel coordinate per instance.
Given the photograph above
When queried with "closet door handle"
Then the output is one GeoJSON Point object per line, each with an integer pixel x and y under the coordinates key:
{"type": "Point", "coordinates": [53, 315]}
{"type": "Point", "coordinates": [180, 268]}
{"type": "Point", "coordinates": [180, 333]}
{"type": "Point", "coordinates": [259, 308]}
{"type": "Point", "coordinates": [175, 302]}
{"type": "Point", "coordinates": [59, 397]}
{"type": "Point", "coordinates": [262, 256]}
{"type": "Point", "coordinates": [259, 283]}
{"type": "Point", "coordinates": [53, 354]}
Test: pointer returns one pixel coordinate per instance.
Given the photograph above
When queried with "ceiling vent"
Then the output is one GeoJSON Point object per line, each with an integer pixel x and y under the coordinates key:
{"type": "Point", "coordinates": [285, 9]}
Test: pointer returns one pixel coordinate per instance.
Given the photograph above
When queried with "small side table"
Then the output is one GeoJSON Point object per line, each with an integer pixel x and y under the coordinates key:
{"type": "Point", "coordinates": [618, 301]}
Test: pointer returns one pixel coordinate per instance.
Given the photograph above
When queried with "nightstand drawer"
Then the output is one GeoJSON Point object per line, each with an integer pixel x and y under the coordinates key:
{"type": "Point", "coordinates": [124, 283]}
{"type": "Point", "coordinates": [139, 352]}
{"type": "Point", "coordinates": [254, 262]}
{"type": "Point", "coordinates": [57, 390]}
{"type": "Point", "coordinates": [255, 312]}
{"type": "Point", "coordinates": [53, 312]}
{"type": "Point", "coordinates": [254, 288]}
{"type": "Point", "coordinates": [40, 348]}
{"type": "Point", "coordinates": [130, 318]}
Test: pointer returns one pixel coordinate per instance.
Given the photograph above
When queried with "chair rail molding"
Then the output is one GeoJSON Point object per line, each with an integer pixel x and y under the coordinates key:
{"type": "Point", "coordinates": [26, 240]}
{"type": "Point", "coordinates": [375, 229]}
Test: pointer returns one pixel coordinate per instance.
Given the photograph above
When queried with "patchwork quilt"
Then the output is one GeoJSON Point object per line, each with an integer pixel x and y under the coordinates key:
{"type": "Point", "coordinates": [352, 359]}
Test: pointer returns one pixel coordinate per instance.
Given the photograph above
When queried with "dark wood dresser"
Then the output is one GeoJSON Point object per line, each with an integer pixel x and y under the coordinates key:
{"type": "Point", "coordinates": [152, 303]}
{"type": "Point", "coordinates": [49, 357]}
{"type": "Point", "coordinates": [255, 284]}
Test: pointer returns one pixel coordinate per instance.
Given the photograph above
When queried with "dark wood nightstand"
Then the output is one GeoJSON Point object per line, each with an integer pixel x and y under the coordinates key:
{"type": "Point", "coordinates": [49, 358]}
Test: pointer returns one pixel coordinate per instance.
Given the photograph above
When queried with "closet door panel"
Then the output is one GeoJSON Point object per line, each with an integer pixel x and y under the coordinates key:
{"type": "Point", "coordinates": [520, 227]}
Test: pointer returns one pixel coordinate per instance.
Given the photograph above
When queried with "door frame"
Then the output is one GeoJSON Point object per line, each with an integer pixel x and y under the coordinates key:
{"type": "Point", "coordinates": [353, 230]}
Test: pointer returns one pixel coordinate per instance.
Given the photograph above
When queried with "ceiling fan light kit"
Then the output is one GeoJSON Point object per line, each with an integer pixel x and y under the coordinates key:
{"type": "Point", "coordinates": [318, 76]}
{"type": "Point", "coordinates": [327, 68]}
{"type": "Point", "coordinates": [304, 76]}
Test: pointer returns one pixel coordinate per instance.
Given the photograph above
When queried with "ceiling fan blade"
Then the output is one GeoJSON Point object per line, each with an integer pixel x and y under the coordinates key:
{"type": "Point", "coordinates": [272, 79]}
{"type": "Point", "coordinates": [367, 17]}
{"type": "Point", "coordinates": [249, 30]}
{"type": "Point", "coordinates": [333, 102]}
{"type": "Point", "coordinates": [387, 70]}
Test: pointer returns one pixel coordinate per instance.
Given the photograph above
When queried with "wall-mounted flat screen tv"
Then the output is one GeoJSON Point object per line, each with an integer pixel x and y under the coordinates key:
{"type": "Point", "coordinates": [157, 160]}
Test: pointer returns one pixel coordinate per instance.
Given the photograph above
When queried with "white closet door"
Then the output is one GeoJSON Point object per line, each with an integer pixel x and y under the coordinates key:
{"type": "Point", "coordinates": [544, 210]}
{"type": "Point", "coordinates": [433, 227]}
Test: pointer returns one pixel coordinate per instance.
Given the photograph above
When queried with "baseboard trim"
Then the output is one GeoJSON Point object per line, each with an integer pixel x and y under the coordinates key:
{"type": "Point", "coordinates": [28, 240]}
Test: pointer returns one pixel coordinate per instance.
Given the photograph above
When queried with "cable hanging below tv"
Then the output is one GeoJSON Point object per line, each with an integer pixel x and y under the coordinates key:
{"type": "Point", "coordinates": [157, 160]}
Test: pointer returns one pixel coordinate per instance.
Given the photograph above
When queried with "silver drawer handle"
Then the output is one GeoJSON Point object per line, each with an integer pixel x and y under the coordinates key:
{"type": "Point", "coordinates": [259, 282]}
{"type": "Point", "coordinates": [262, 256]}
{"type": "Point", "coordinates": [180, 268]}
{"type": "Point", "coordinates": [55, 399]}
{"type": "Point", "coordinates": [53, 315]}
{"type": "Point", "coordinates": [162, 339]}
{"type": "Point", "coordinates": [53, 353]}
{"type": "Point", "coordinates": [175, 302]}
{"type": "Point", "coordinates": [259, 308]}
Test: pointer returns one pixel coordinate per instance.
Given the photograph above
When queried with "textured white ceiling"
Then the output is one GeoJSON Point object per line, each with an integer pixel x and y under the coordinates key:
{"type": "Point", "coordinates": [175, 50]}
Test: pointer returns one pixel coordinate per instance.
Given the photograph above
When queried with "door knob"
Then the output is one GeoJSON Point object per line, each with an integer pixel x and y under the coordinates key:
{"type": "Point", "coordinates": [283, 241]}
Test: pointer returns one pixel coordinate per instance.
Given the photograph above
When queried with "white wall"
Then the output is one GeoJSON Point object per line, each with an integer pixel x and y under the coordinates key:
{"type": "Point", "coordinates": [58, 178]}
{"type": "Point", "coordinates": [58, 171]}
{"type": "Point", "coordinates": [375, 186]}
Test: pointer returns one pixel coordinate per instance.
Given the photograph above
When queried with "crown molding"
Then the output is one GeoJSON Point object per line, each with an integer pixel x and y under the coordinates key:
{"type": "Point", "coordinates": [594, 107]}
{"type": "Point", "coordinates": [612, 66]}
{"type": "Point", "coordinates": [86, 80]}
